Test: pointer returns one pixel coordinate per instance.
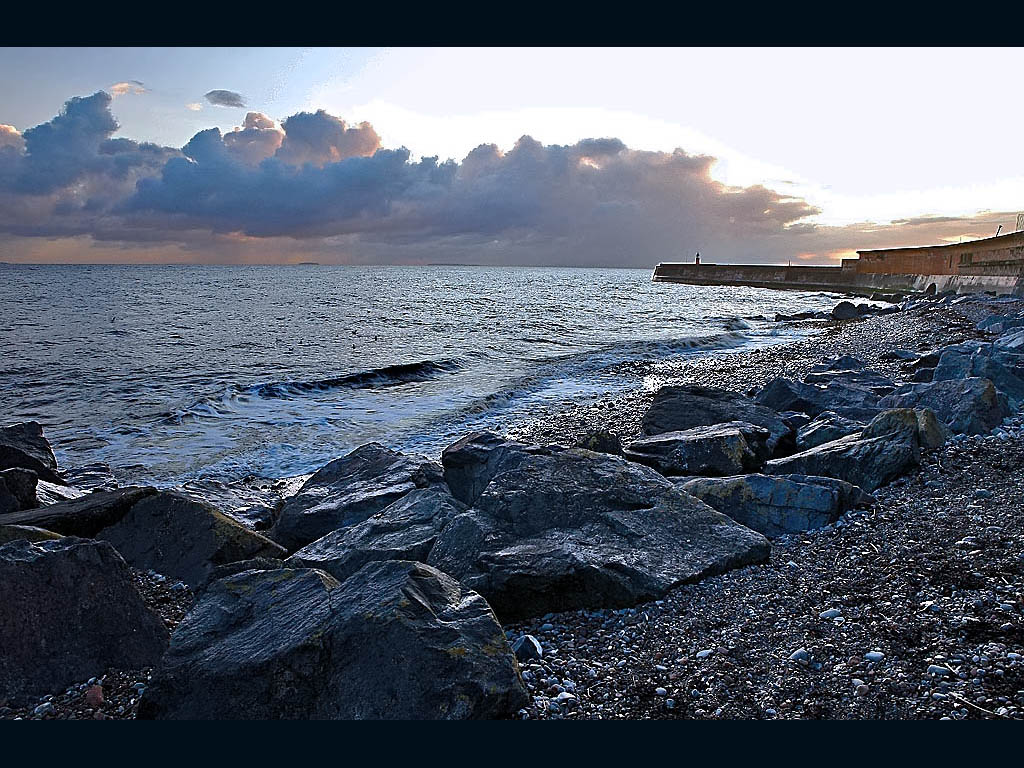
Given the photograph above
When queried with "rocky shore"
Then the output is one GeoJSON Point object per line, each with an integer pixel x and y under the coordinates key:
{"type": "Point", "coordinates": [824, 529]}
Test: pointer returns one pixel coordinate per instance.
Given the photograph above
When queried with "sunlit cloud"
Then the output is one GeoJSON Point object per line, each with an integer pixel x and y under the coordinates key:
{"type": "Point", "coordinates": [194, 106]}
{"type": "Point", "coordinates": [11, 137]}
{"type": "Point", "coordinates": [127, 87]}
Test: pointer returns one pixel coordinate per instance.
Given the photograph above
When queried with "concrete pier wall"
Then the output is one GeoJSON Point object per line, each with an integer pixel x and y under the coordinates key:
{"type": "Point", "coordinates": [844, 279]}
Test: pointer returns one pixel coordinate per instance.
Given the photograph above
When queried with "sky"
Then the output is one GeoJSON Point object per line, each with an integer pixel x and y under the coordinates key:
{"type": "Point", "coordinates": [590, 157]}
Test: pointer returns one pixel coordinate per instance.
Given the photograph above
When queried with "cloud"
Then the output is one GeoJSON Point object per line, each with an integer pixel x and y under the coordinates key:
{"type": "Point", "coordinates": [319, 138]}
{"type": "Point", "coordinates": [194, 106]}
{"type": "Point", "coordinates": [10, 138]}
{"type": "Point", "coordinates": [316, 187]}
{"type": "Point", "coordinates": [221, 98]}
{"type": "Point", "coordinates": [257, 139]}
{"type": "Point", "coordinates": [128, 87]}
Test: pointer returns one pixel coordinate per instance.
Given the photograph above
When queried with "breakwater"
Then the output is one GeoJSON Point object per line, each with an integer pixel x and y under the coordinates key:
{"type": "Point", "coordinates": [844, 279]}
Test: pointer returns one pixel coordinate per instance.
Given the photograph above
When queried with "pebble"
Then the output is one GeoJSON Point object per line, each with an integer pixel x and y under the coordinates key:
{"type": "Point", "coordinates": [874, 655]}
{"type": "Point", "coordinates": [831, 613]}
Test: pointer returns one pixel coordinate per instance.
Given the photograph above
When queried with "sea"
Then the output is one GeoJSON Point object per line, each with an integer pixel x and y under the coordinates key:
{"type": "Point", "coordinates": [215, 378]}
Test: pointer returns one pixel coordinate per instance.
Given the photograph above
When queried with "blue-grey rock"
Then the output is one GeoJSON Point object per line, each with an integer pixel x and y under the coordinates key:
{"type": "Point", "coordinates": [183, 538]}
{"type": "Point", "coordinates": [919, 425]}
{"type": "Point", "coordinates": [844, 310]}
{"type": "Point", "coordinates": [575, 529]}
{"type": "Point", "coordinates": [721, 449]}
{"type": "Point", "coordinates": [470, 463]}
{"type": "Point", "coordinates": [1012, 340]}
{"type": "Point", "coordinates": [970, 406]}
{"type": "Point", "coordinates": [404, 530]}
{"type": "Point", "coordinates": [828, 426]}
{"type": "Point", "coordinates": [677, 408]}
{"type": "Point", "coordinates": [84, 516]}
{"type": "Point", "coordinates": [867, 463]}
{"type": "Point", "coordinates": [1003, 367]}
{"type": "Point", "coordinates": [777, 505]}
{"type": "Point", "coordinates": [785, 394]}
{"type": "Point", "coordinates": [998, 324]}
{"type": "Point", "coordinates": [397, 640]}
{"type": "Point", "coordinates": [349, 490]}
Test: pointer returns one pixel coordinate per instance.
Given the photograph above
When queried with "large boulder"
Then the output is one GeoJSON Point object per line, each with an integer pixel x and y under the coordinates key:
{"type": "Point", "coordinates": [778, 505]}
{"type": "Point", "coordinates": [851, 400]}
{"type": "Point", "coordinates": [168, 532]}
{"type": "Point", "coordinates": [405, 530]}
{"type": "Point", "coordinates": [970, 406]}
{"type": "Point", "coordinates": [17, 489]}
{"type": "Point", "coordinates": [470, 463]}
{"type": "Point", "coordinates": [828, 426]}
{"type": "Point", "coordinates": [183, 538]}
{"type": "Point", "coordinates": [23, 445]}
{"type": "Point", "coordinates": [575, 529]}
{"type": "Point", "coordinates": [865, 462]}
{"type": "Point", "coordinates": [722, 449]}
{"type": "Point", "coordinates": [349, 490]}
{"type": "Point", "coordinates": [676, 408]}
{"type": "Point", "coordinates": [68, 612]}
{"type": "Point", "coordinates": [919, 425]}
{"type": "Point", "coordinates": [1003, 367]}
{"type": "Point", "coordinates": [397, 640]}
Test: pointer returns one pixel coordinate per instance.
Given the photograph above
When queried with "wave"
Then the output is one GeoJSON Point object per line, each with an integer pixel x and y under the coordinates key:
{"type": "Point", "coordinates": [386, 376]}
{"type": "Point", "coordinates": [580, 365]}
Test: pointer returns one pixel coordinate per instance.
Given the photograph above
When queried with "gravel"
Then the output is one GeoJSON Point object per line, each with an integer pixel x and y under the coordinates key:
{"type": "Point", "coordinates": [911, 608]}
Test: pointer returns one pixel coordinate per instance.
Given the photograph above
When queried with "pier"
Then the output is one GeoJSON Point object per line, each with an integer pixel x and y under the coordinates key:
{"type": "Point", "coordinates": [994, 264]}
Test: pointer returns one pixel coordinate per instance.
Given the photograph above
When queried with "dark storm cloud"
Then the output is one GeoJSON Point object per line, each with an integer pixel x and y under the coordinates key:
{"type": "Point", "coordinates": [222, 98]}
{"type": "Point", "coordinates": [317, 185]}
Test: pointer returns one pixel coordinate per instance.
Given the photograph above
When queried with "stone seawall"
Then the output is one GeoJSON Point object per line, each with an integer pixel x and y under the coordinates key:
{"type": "Point", "coordinates": [845, 279]}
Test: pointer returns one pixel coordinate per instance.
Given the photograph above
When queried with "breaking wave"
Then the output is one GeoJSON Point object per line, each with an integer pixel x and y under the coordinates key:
{"type": "Point", "coordinates": [227, 402]}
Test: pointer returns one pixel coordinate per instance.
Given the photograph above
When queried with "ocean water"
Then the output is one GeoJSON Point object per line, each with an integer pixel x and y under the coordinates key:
{"type": "Point", "coordinates": [206, 376]}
